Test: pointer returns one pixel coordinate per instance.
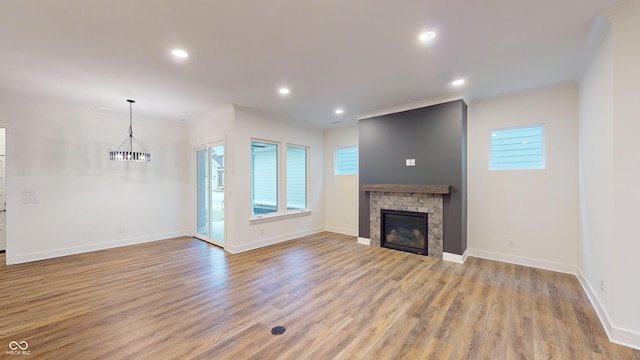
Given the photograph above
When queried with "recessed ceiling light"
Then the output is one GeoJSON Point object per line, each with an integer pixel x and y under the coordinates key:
{"type": "Point", "coordinates": [457, 82]}
{"type": "Point", "coordinates": [284, 91]}
{"type": "Point", "coordinates": [339, 111]}
{"type": "Point", "coordinates": [427, 35]}
{"type": "Point", "coordinates": [180, 53]}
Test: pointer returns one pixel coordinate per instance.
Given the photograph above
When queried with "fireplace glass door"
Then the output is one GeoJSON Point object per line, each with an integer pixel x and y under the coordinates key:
{"type": "Point", "coordinates": [404, 230]}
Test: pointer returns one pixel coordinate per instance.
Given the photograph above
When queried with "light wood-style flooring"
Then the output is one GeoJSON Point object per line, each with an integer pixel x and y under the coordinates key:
{"type": "Point", "coordinates": [185, 299]}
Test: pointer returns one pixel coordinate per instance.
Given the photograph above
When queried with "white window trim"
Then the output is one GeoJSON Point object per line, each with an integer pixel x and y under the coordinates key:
{"type": "Point", "coordinates": [281, 185]}
{"type": "Point", "coordinates": [335, 159]}
{"type": "Point", "coordinates": [544, 145]}
{"type": "Point", "coordinates": [278, 215]}
{"type": "Point", "coordinates": [278, 172]}
{"type": "Point", "coordinates": [307, 169]}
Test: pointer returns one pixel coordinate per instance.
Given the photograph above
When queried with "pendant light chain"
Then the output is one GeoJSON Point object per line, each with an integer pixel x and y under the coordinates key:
{"type": "Point", "coordinates": [131, 125]}
{"type": "Point", "coordinates": [130, 118]}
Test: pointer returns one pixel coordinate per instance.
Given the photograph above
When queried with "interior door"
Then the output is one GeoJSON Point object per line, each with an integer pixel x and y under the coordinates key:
{"type": "Point", "coordinates": [210, 194]}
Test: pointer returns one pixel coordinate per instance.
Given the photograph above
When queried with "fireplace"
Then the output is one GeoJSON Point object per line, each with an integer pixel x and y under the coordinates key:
{"type": "Point", "coordinates": [404, 230]}
{"type": "Point", "coordinates": [426, 199]}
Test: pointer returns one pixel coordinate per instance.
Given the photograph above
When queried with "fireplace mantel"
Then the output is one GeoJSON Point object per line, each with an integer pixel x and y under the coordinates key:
{"type": "Point", "coordinates": [401, 188]}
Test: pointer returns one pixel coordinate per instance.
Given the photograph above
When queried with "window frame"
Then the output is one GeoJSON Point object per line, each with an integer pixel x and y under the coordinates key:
{"type": "Point", "coordinates": [306, 176]}
{"type": "Point", "coordinates": [335, 160]}
{"type": "Point", "coordinates": [543, 146]}
{"type": "Point", "coordinates": [277, 172]}
{"type": "Point", "coordinates": [281, 182]}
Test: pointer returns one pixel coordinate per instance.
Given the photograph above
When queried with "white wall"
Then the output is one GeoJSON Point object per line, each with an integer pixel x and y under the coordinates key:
{"type": "Point", "coordinates": [537, 209]}
{"type": "Point", "coordinates": [213, 126]}
{"type": "Point", "coordinates": [341, 191]}
{"type": "Point", "coordinates": [61, 152]}
{"type": "Point", "coordinates": [609, 177]}
{"type": "Point", "coordinates": [250, 235]}
{"type": "Point", "coordinates": [596, 178]}
{"type": "Point", "coordinates": [626, 55]}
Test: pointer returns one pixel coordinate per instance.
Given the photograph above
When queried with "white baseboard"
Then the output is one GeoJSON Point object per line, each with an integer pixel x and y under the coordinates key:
{"type": "Point", "coordinates": [271, 241]}
{"type": "Point", "coordinates": [343, 231]}
{"type": "Point", "coordinates": [595, 301]}
{"type": "Point", "coordinates": [364, 241]}
{"type": "Point", "coordinates": [616, 335]}
{"type": "Point", "coordinates": [48, 254]}
{"type": "Point", "coordinates": [624, 337]}
{"type": "Point", "coordinates": [460, 259]}
{"type": "Point", "coordinates": [521, 260]}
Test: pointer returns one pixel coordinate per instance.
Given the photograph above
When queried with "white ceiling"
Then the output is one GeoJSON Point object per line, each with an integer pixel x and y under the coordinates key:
{"type": "Point", "coordinates": [356, 54]}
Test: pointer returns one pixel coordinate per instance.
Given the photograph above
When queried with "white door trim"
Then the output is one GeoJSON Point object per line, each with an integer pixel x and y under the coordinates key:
{"type": "Point", "coordinates": [194, 221]}
{"type": "Point", "coordinates": [11, 231]}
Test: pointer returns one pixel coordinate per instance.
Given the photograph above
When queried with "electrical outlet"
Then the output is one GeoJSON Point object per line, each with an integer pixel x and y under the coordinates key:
{"type": "Point", "coordinates": [602, 285]}
{"type": "Point", "coordinates": [511, 243]}
{"type": "Point", "coordinates": [27, 192]}
{"type": "Point", "coordinates": [413, 162]}
{"type": "Point", "coordinates": [407, 162]}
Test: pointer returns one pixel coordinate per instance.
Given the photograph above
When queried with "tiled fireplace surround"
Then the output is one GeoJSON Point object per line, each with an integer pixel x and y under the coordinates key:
{"type": "Point", "coordinates": [430, 203]}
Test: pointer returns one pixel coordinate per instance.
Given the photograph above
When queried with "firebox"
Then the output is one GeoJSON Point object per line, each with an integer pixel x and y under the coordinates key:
{"type": "Point", "coordinates": [404, 230]}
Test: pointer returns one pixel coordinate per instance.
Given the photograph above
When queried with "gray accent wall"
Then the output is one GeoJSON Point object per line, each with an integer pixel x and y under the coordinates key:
{"type": "Point", "coordinates": [436, 137]}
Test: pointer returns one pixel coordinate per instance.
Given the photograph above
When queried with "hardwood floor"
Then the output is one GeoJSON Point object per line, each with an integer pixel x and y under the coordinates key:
{"type": "Point", "coordinates": [185, 299]}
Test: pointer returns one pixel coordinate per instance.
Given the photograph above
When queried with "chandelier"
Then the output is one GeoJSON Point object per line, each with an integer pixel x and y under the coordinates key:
{"type": "Point", "coordinates": [125, 151]}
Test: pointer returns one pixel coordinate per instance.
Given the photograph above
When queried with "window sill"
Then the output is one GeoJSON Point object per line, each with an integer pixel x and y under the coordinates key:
{"type": "Point", "coordinates": [279, 215]}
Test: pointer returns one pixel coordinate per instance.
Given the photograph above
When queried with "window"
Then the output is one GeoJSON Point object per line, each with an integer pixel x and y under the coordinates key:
{"type": "Point", "coordinates": [296, 177]}
{"type": "Point", "coordinates": [517, 148]}
{"type": "Point", "coordinates": [277, 189]}
{"type": "Point", "coordinates": [345, 160]}
{"type": "Point", "coordinates": [264, 181]}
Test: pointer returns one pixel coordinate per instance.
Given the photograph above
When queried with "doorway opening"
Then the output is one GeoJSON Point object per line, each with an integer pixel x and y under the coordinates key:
{"type": "Point", "coordinates": [210, 194]}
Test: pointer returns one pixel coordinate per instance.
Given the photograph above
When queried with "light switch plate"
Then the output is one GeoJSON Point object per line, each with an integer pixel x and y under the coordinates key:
{"type": "Point", "coordinates": [29, 200]}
